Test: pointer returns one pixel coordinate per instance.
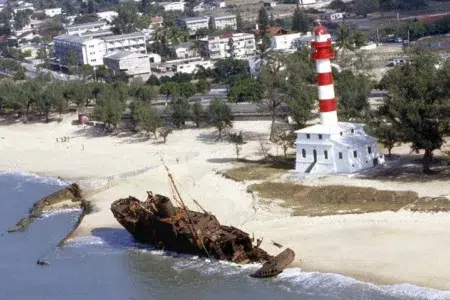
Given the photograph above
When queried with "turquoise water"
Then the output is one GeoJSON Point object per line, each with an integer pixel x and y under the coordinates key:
{"type": "Point", "coordinates": [110, 265]}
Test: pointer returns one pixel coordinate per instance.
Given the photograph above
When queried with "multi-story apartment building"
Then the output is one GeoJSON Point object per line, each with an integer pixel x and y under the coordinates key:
{"type": "Point", "coordinates": [107, 15]}
{"type": "Point", "coordinates": [131, 42]}
{"type": "Point", "coordinates": [87, 49]}
{"type": "Point", "coordinates": [237, 45]}
{"type": "Point", "coordinates": [193, 24]}
{"type": "Point", "coordinates": [51, 12]}
{"type": "Point", "coordinates": [78, 29]}
{"type": "Point", "coordinates": [220, 22]}
{"type": "Point", "coordinates": [132, 63]}
{"type": "Point", "coordinates": [21, 5]}
{"type": "Point", "coordinates": [172, 6]}
{"type": "Point", "coordinates": [285, 41]}
{"type": "Point", "coordinates": [91, 50]}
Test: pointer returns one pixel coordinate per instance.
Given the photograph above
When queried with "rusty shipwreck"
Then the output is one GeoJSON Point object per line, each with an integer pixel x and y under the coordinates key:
{"type": "Point", "coordinates": [158, 222]}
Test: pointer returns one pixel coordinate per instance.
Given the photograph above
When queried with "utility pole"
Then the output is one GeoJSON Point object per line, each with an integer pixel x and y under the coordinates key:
{"type": "Point", "coordinates": [378, 38]}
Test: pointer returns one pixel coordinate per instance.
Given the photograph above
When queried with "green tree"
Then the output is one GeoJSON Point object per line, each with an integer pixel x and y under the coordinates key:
{"type": "Point", "coordinates": [352, 94]}
{"type": "Point", "coordinates": [273, 82]}
{"type": "Point", "coordinates": [180, 112]}
{"type": "Point", "coordinates": [187, 90]}
{"type": "Point", "coordinates": [146, 117]}
{"type": "Point", "coordinates": [344, 40]}
{"type": "Point", "coordinates": [211, 25]}
{"type": "Point", "coordinates": [286, 140]}
{"type": "Point", "coordinates": [300, 21]}
{"type": "Point", "coordinates": [153, 80]}
{"type": "Point", "coordinates": [219, 116]}
{"type": "Point", "coordinates": [198, 114]}
{"type": "Point", "coordinates": [128, 20]}
{"type": "Point", "coordinates": [263, 18]}
{"type": "Point", "coordinates": [203, 86]}
{"type": "Point", "coordinates": [245, 89]}
{"type": "Point", "coordinates": [386, 134]}
{"type": "Point", "coordinates": [20, 75]}
{"type": "Point", "coordinates": [238, 141]}
{"type": "Point", "coordinates": [109, 108]}
{"type": "Point", "coordinates": [51, 96]}
{"type": "Point", "coordinates": [227, 69]}
{"type": "Point", "coordinates": [417, 105]}
{"type": "Point", "coordinates": [170, 90]}
{"type": "Point", "coordinates": [86, 18]}
{"type": "Point", "coordinates": [21, 19]}
{"type": "Point", "coordinates": [239, 22]}
{"type": "Point", "coordinates": [77, 93]}
{"type": "Point", "coordinates": [164, 132]}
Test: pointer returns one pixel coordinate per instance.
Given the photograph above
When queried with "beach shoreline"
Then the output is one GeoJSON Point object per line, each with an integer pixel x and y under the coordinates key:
{"type": "Point", "coordinates": [381, 248]}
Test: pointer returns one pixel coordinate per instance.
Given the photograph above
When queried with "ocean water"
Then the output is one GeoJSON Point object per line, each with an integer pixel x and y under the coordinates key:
{"type": "Point", "coordinates": [110, 265]}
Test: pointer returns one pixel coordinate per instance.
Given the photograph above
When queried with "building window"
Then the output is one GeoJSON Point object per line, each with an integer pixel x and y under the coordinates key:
{"type": "Point", "coordinates": [308, 136]}
{"type": "Point", "coordinates": [93, 60]}
{"type": "Point", "coordinates": [355, 154]}
{"type": "Point", "coordinates": [369, 149]}
{"type": "Point", "coordinates": [91, 46]}
{"type": "Point", "coordinates": [353, 130]}
{"type": "Point", "coordinates": [340, 155]}
{"type": "Point", "coordinates": [342, 133]}
{"type": "Point", "coordinates": [320, 136]}
{"type": "Point", "coordinates": [303, 153]}
{"type": "Point", "coordinates": [325, 154]}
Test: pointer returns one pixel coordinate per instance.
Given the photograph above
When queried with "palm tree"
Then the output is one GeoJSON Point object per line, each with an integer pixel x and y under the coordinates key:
{"type": "Point", "coordinates": [160, 35]}
{"type": "Point", "coordinates": [176, 36]}
{"type": "Point", "coordinates": [345, 40]}
{"type": "Point", "coordinates": [198, 47]}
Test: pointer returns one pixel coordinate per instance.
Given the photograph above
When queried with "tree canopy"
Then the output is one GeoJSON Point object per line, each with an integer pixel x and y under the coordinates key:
{"type": "Point", "coordinates": [418, 104]}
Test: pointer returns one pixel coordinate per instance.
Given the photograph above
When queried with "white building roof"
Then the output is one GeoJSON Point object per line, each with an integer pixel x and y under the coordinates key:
{"type": "Point", "coordinates": [322, 129]}
{"type": "Point", "coordinates": [124, 36]}
{"type": "Point", "coordinates": [72, 38]}
{"type": "Point", "coordinates": [224, 17]}
{"type": "Point", "coordinates": [118, 55]}
{"type": "Point", "coordinates": [85, 25]}
{"type": "Point", "coordinates": [194, 19]}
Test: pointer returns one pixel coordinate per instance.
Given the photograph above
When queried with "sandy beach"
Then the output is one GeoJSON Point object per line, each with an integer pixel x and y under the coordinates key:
{"type": "Point", "coordinates": [383, 248]}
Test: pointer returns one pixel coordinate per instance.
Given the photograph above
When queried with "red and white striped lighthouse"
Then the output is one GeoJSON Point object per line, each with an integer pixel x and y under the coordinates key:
{"type": "Point", "coordinates": [322, 54]}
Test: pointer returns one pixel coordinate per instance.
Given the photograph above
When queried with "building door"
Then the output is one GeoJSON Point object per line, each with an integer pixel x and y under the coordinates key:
{"type": "Point", "coordinates": [315, 155]}
{"type": "Point", "coordinates": [375, 162]}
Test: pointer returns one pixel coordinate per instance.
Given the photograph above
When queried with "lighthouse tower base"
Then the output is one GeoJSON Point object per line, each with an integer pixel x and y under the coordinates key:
{"type": "Point", "coordinates": [342, 148]}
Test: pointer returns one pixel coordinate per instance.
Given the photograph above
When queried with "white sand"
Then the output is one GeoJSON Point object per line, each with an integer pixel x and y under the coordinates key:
{"type": "Point", "coordinates": [378, 247]}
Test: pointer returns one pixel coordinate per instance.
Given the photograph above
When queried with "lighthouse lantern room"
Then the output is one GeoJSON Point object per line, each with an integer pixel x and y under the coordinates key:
{"type": "Point", "coordinates": [332, 146]}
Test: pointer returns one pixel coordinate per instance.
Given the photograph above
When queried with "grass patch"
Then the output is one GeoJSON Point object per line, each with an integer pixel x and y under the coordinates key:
{"type": "Point", "coordinates": [427, 204]}
{"type": "Point", "coordinates": [333, 200]}
{"type": "Point", "coordinates": [259, 170]}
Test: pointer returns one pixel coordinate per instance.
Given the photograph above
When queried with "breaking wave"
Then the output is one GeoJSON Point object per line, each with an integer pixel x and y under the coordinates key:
{"type": "Point", "coordinates": [51, 213]}
{"type": "Point", "coordinates": [328, 285]}
{"type": "Point", "coordinates": [30, 177]}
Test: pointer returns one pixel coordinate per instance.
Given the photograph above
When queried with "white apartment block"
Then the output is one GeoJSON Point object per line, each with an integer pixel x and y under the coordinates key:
{"type": "Point", "coordinates": [107, 15]}
{"type": "Point", "coordinates": [131, 42]}
{"type": "Point", "coordinates": [89, 51]}
{"type": "Point", "coordinates": [301, 2]}
{"type": "Point", "coordinates": [21, 5]}
{"type": "Point", "coordinates": [285, 41]}
{"type": "Point", "coordinates": [172, 6]}
{"type": "Point", "coordinates": [51, 12]}
{"type": "Point", "coordinates": [193, 24]}
{"type": "Point", "coordinates": [78, 29]}
{"type": "Point", "coordinates": [219, 47]}
{"type": "Point", "coordinates": [221, 22]}
{"type": "Point", "coordinates": [186, 65]}
{"type": "Point", "coordinates": [132, 63]}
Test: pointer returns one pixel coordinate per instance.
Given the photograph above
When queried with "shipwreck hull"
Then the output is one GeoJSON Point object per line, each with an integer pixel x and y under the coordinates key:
{"type": "Point", "coordinates": [158, 223]}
